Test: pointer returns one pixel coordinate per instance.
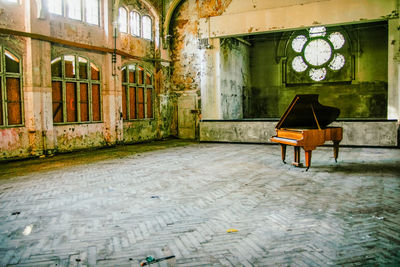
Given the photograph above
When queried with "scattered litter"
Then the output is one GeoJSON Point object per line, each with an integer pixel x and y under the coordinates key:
{"type": "Point", "coordinates": [150, 260]}
{"type": "Point", "coordinates": [27, 230]}
{"type": "Point", "coordinates": [78, 260]}
{"type": "Point", "coordinates": [232, 230]}
{"type": "Point", "coordinates": [379, 218]}
{"type": "Point", "coordinates": [16, 213]}
{"type": "Point", "coordinates": [155, 197]}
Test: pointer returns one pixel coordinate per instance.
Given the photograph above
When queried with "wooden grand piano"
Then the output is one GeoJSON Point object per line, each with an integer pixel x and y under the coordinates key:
{"type": "Point", "coordinates": [304, 124]}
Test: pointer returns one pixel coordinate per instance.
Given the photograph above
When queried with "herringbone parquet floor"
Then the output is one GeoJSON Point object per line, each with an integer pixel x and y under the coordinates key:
{"type": "Point", "coordinates": [115, 207]}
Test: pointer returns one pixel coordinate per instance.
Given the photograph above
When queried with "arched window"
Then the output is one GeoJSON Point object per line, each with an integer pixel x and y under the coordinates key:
{"type": "Point", "coordinates": [10, 89]}
{"type": "Point", "coordinates": [134, 18]}
{"type": "Point", "coordinates": [76, 90]}
{"type": "Point", "coordinates": [137, 93]}
{"type": "Point", "coordinates": [123, 20]}
{"type": "Point", "coordinates": [147, 27]}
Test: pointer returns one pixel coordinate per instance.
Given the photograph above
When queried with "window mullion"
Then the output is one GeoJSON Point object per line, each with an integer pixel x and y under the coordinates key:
{"type": "Point", "coordinates": [64, 100]}
{"type": "Point", "coordinates": [78, 101]}
{"type": "Point", "coordinates": [90, 103]}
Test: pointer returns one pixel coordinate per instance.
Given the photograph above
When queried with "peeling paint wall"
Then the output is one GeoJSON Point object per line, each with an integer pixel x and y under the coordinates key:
{"type": "Point", "coordinates": [235, 77]}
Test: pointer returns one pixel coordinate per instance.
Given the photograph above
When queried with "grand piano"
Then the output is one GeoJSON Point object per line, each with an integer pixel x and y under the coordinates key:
{"type": "Point", "coordinates": [304, 124]}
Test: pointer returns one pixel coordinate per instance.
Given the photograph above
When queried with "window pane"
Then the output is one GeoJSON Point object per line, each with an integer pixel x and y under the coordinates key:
{"type": "Point", "coordinates": [132, 103]}
{"type": "Point", "coordinates": [96, 102]}
{"type": "Point", "coordinates": [12, 62]}
{"type": "Point", "coordinates": [123, 20]}
{"type": "Point", "coordinates": [135, 23]}
{"type": "Point", "coordinates": [141, 103]}
{"type": "Point", "coordinates": [124, 108]}
{"type": "Point", "coordinates": [132, 78]}
{"type": "Point", "coordinates": [55, 6]}
{"type": "Point", "coordinates": [71, 102]}
{"type": "Point", "coordinates": [70, 66]}
{"type": "Point", "coordinates": [148, 79]}
{"type": "Point", "coordinates": [83, 63]}
{"type": "Point", "coordinates": [146, 20]}
{"type": "Point", "coordinates": [84, 102]}
{"type": "Point", "coordinates": [92, 11]}
{"type": "Point", "coordinates": [56, 69]}
{"type": "Point", "coordinates": [1, 102]}
{"type": "Point", "coordinates": [57, 101]}
{"type": "Point", "coordinates": [95, 72]}
{"type": "Point", "coordinates": [74, 9]}
{"type": "Point", "coordinates": [13, 101]}
{"type": "Point", "coordinates": [141, 72]}
{"type": "Point", "coordinates": [149, 103]}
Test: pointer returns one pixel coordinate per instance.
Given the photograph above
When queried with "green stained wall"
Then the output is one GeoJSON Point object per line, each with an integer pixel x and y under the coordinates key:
{"type": "Point", "coordinates": [363, 97]}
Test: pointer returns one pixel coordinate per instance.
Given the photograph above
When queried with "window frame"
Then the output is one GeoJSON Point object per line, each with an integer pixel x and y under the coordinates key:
{"type": "Point", "coordinates": [78, 81]}
{"type": "Point", "coordinates": [137, 86]}
{"type": "Point", "coordinates": [4, 99]}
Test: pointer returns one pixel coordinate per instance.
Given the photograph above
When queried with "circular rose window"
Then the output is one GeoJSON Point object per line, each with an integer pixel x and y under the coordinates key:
{"type": "Point", "coordinates": [318, 52]}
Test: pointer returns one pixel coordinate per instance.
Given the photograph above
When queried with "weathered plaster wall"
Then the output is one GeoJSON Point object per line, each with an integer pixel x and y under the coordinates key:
{"type": "Point", "coordinates": [359, 133]}
{"type": "Point", "coordinates": [235, 77]}
{"type": "Point", "coordinates": [39, 135]}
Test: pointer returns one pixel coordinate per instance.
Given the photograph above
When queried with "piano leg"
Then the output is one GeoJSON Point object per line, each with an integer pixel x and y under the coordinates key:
{"type": "Point", "coordinates": [297, 157]}
{"type": "Point", "coordinates": [283, 150]}
{"type": "Point", "coordinates": [308, 158]}
{"type": "Point", "coordinates": [335, 150]}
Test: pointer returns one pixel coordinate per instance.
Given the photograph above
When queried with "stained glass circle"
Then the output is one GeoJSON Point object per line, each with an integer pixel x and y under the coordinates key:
{"type": "Point", "coordinates": [337, 62]}
{"type": "Point", "coordinates": [337, 39]}
{"type": "Point", "coordinates": [298, 64]}
{"type": "Point", "coordinates": [317, 52]}
{"type": "Point", "coordinates": [317, 31]}
{"type": "Point", "coordinates": [298, 43]}
{"type": "Point", "coordinates": [317, 74]}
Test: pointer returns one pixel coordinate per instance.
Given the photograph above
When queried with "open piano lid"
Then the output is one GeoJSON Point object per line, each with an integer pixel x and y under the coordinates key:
{"type": "Point", "coordinates": [306, 112]}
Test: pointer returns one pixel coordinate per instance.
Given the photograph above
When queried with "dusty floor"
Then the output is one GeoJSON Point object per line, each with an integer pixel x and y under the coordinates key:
{"type": "Point", "coordinates": [114, 207]}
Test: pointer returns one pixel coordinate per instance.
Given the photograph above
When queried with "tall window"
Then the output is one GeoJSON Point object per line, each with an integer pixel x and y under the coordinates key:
{"type": "Point", "coordinates": [92, 11]}
{"type": "Point", "coordinates": [74, 8]}
{"type": "Point", "coordinates": [55, 7]}
{"type": "Point", "coordinates": [10, 89]}
{"type": "Point", "coordinates": [146, 26]}
{"type": "Point", "coordinates": [123, 20]}
{"type": "Point", "coordinates": [135, 23]}
{"type": "Point", "coordinates": [83, 10]}
{"type": "Point", "coordinates": [76, 90]}
{"type": "Point", "coordinates": [137, 93]}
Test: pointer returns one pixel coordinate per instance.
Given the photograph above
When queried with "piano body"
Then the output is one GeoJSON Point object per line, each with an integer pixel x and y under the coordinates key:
{"type": "Point", "coordinates": [304, 124]}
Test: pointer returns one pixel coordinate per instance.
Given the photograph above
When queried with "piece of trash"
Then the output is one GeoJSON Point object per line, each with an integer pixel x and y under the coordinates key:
{"type": "Point", "coordinates": [27, 230]}
{"type": "Point", "coordinates": [16, 213]}
{"type": "Point", "coordinates": [78, 260]}
{"type": "Point", "coordinates": [150, 260]}
{"type": "Point", "coordinates": [232, 230]}
{"type": "Point", "coordinates": [155, 197]}
{"type": "Point", "coordinates": [379, 218]}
